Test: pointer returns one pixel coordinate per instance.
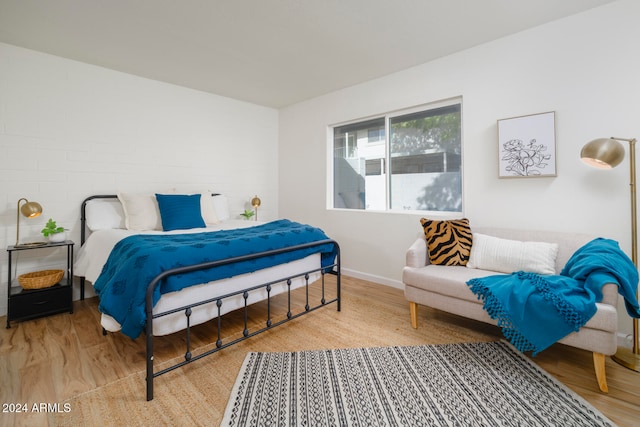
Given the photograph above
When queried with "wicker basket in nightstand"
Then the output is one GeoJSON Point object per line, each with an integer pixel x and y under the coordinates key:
{"type": "Point", "coordinates": [40, 279]}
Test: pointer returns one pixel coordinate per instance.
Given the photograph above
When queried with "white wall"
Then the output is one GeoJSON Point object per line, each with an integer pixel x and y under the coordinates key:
{"type": "Point", "coordinates": [69, 130]}
{"type": "Point", "coordinates": [585, 68]}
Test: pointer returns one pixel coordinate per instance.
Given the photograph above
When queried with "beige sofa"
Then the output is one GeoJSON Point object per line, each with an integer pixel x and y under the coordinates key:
{"type": "Point", "coordinates": [445, 288]}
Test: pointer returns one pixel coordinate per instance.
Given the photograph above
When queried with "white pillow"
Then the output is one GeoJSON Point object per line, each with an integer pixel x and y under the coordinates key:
{"type": "Point", "coordinates": [206, 209]}
{"type": "Point", "coordinates": [141, 211]}
{"type": "Point", "coordinates": [508, 256]}
{"type": "Point", "coordinates": [104, 214]}
{"type": "Point", "coordinates": [221, 207]}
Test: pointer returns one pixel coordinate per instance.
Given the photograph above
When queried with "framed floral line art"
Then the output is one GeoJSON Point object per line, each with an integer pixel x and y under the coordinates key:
{"type": "Point", "coordinates": [527, 146]}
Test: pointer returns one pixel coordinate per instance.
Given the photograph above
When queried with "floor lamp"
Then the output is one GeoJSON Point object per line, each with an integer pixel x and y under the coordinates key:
{"type": "Point", "coordinates": [607, 153]}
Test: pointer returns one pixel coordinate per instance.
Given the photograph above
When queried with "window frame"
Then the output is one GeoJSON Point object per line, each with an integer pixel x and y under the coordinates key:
{"type": "Point", "coordinates": [388, 116]}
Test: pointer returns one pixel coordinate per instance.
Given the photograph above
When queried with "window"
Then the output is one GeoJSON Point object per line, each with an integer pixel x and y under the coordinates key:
{"type": "Point", "coordinates": [376, 135]}
{"type": "Point", "coordinates": [408, 160]}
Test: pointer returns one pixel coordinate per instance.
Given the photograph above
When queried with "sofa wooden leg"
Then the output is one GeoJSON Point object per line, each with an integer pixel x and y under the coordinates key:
{"type": "Point", "coordinates": [413, 311]}
{"type": "Point", "coordinates": [601, 377]}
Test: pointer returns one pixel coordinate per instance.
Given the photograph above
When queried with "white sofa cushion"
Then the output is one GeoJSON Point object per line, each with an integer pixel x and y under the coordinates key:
{"type": "Point", "coordinates": [450, 280]}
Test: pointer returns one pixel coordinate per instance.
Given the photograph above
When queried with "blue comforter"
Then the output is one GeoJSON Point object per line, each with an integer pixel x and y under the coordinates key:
{"type": "Point", "coordinates": [136, 260]}
{"type": "Point", "coordinates": [535, 311]}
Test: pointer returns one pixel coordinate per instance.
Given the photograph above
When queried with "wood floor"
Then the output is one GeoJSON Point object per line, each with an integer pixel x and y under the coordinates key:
{"type": "Point", "coordinates": [53, 359]}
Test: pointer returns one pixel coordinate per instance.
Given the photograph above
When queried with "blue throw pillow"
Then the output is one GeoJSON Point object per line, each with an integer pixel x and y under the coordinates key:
{"type": "Point", "coordinates": [180, 211]}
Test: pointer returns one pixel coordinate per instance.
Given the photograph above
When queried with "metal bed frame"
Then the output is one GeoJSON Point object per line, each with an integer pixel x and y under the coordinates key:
{"type": "Point", "coordinates": [333, 269]}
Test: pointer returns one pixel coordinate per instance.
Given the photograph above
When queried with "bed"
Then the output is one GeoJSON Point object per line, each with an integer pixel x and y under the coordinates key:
{"type": "Point", "coordinates": [194, 271]}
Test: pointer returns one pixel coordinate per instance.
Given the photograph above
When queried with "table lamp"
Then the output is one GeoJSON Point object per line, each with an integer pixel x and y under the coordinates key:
{"type": "Point", "coordinates": [29, 210]}
{"type": "Point", "coordinates": [255, 202]}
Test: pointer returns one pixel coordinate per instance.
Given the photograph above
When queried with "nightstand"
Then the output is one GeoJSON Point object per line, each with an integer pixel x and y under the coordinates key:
{"type": "Point", "coordinates": [23, 304]}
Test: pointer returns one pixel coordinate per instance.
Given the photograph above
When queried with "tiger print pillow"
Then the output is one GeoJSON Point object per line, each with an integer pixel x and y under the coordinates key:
{"type": "Point", "coordinates": [449, 242]}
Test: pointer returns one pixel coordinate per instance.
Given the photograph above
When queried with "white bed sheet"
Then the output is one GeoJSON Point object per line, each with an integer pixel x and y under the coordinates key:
{"type": "Point", "coordinates": [94, 254]}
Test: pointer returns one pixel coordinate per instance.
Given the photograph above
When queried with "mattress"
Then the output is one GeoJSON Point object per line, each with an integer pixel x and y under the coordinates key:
{"type": "Point", "coordinates": [93, 255]}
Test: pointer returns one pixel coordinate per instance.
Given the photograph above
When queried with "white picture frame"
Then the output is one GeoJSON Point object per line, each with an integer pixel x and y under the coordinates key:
{"type": "Point", "coordinates": [527, 146]}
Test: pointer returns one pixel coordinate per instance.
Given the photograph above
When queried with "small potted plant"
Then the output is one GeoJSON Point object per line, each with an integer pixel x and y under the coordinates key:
{"type": "Point", "coordinates": [247, 214]}
{"type": "Point", "coordinates": [53, 232]}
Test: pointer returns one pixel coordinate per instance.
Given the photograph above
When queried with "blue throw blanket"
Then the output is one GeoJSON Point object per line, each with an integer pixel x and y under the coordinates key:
{"type": "Point", "coordinates": [535, 311]}
{"type": "Point", "coordinates": [136, 260]}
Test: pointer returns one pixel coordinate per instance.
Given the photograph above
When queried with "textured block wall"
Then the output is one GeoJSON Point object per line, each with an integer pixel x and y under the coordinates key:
{"type": "Point", "coordinates": [69, 130]}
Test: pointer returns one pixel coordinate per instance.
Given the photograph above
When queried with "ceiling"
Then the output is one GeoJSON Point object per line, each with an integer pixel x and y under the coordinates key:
{"type": "Point", "coordinates": [268, 52]}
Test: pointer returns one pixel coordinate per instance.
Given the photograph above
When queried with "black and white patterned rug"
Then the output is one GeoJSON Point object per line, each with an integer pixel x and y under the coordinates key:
{"type": "Point", "coordinates": [471, 384]}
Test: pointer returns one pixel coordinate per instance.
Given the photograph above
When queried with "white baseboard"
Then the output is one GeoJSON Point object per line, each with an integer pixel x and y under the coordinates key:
{"type": "Point", "coordinates": [373, 278]}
